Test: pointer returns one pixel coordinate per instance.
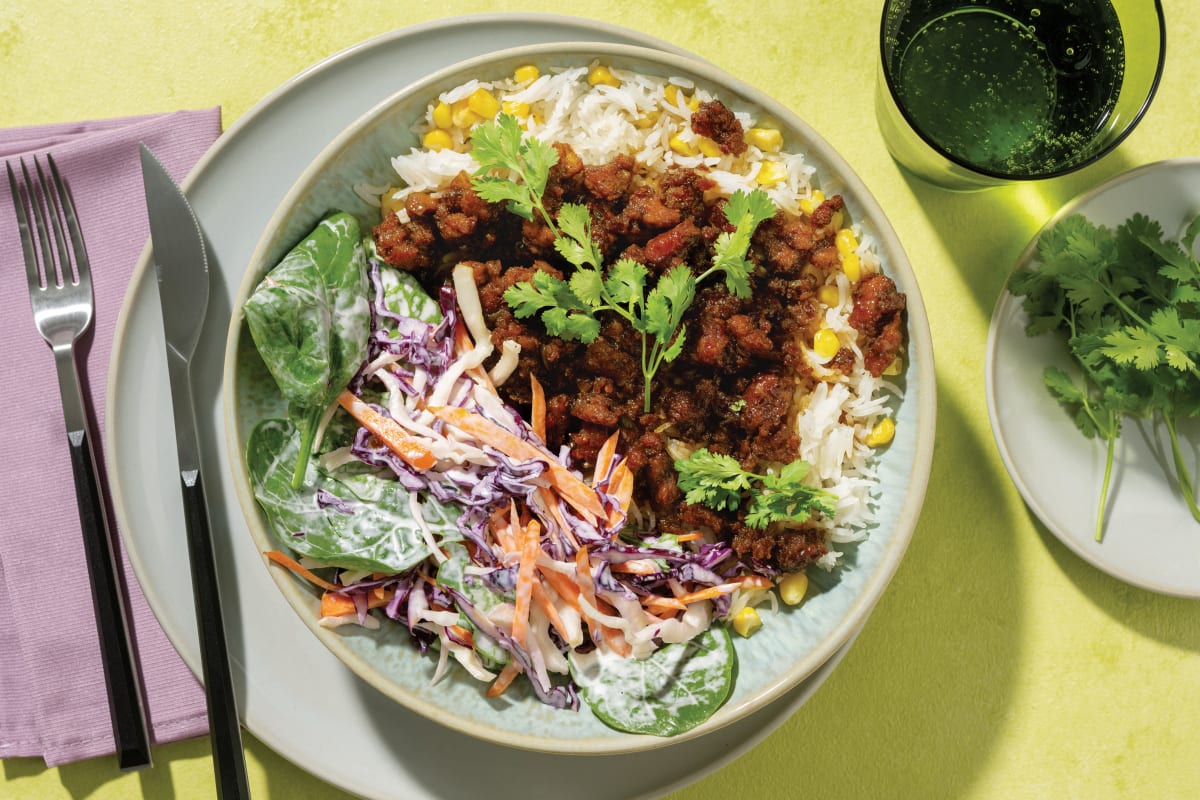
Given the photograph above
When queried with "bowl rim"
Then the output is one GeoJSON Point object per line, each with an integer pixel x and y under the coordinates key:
{"type": "Point", "coordinates": [834, 170]}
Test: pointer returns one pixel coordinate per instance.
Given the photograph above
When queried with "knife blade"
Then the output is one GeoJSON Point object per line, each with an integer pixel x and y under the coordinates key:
{"type": "Point", "coordinates": [181, 264]}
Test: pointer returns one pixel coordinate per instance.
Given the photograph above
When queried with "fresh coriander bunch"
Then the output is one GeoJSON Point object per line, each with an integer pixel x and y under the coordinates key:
{"type": "Point", "coordinates": [1128, 302]}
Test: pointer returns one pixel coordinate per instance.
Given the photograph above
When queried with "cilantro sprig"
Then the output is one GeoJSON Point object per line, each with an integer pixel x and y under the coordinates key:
{"type": "Point", "coordinates": [1128, 301]}
{"type": "Point", "coordinates": [719, 482]}
{"type": "Point", "coordinates": [498, 147]}
{"type": "Point", "coordinates": [514, 169]}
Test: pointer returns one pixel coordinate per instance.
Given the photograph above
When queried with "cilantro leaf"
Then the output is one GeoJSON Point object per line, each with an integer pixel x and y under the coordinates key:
{"type": "Point", "coordinates": [712, 479]}
{"type": "Point", "coordinates": [563, 313]}
{"type": "Point", "coordinates": [575, 244]}
{"type": "Point", "coordinates": [719, 482]}
{"type": "Point", "coordinates": [745, 212]}
{"type": "Point", "coordinates": [499, 145]}
{"type": "Point", "coordinates": [625, 283]}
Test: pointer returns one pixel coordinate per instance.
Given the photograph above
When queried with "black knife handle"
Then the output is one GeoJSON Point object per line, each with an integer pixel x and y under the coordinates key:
{"type": "Point", "coordinates": [229, 762]}
{"type": "Point", "coordinates": [121, 675]}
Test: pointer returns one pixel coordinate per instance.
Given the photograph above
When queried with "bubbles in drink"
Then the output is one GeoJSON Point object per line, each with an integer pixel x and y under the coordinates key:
{"type": "Point", "coordinates": [1008, 85]}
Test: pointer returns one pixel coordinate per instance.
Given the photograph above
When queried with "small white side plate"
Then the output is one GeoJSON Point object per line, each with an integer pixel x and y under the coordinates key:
{"type": "Point", "coordinates": [1150, 539]}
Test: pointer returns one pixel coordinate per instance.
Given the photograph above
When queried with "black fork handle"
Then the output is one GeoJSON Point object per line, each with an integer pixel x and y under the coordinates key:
{"type": "Point", "coordinates": [225, 731]}
{"type": "Point", "coordinates": [121, 675]}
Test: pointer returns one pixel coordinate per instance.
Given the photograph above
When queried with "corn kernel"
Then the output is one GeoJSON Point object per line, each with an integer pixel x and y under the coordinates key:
{"type": "Point", "coordinates": [747, 621]}
{"type": "Point", "coordinates": [515, 109]}
{"type": "Point", "coordinates": [771, 172]}
{"type": "Point", "coordinates": [883, 432]}
{"type": "Point", "coordinates": [442, 116]}
{"type": "Point", "coordinates": [768, 140]}
{"type": "Point", "coordinates": [388, 204]}
{"type": "Point", "coordinates": [708, 147]}
{"type": "Point", "coordinates": [693, 103]}
{"type": "Point", "coordinates": [826, 343]}
{"type": "Point", "coordinates": [894, 368]}
{"type": "Point", "coordinates": [602, 75]}
{"type": "Point", "coordinates": [829, 295]}
{"type": "Point", "coordinates": [852, 266]}
{"type": "Point", "coordinates": [526, 74]}
{"type": "Point", "coordinates": [809, 204]}
{"type": "Point", "coordinates": [672, 94]}
{"type": "Point", "coordinates": [681, 147]}
{"type": "Point", "coordinates": [793, 587]}
{"type": "Point", "coordinates": [483, 103]}
{"type": "Point", "coordinates": [437, 139]}
{"type": "Point", "coordinates": [846, 241]}
{"type": "Point", "coordinates": [461, 115]}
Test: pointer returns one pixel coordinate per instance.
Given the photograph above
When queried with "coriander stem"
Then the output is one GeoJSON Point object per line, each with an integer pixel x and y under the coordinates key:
{"type": "Point", "coordinates": [1181, 470]}
{"type": "Point", "coordinates": [1108, 465]}
{"type": "Point", "coordinates": [1119, 303]}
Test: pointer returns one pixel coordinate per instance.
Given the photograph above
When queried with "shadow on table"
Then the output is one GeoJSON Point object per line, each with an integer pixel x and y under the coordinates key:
{"type": "Point", "coordinates": [920, 700]}
{"type": "Point", "coordinates": [985, 232]}
{"type": "Point", "coordinates": [1163, 618]}
{"type": "Point", "coordinates": [83, 779]}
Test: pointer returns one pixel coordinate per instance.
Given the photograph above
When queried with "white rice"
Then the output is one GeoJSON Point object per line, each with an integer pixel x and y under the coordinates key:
{"type": "Point", "coordinates": [835, 412]}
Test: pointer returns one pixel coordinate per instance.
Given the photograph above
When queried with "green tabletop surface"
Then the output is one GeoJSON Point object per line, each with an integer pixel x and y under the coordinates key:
{"type": "Point", "coordinates": [998, 664]}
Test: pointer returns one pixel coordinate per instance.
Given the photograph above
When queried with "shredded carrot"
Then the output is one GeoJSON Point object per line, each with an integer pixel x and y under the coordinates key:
{"type": "Point", "coordinates": [334, 604]}
{"type": "Point", "coordinates": [464, 634]}
{"type": "Point", "coordinates": [708, 593]}
{"type": "Point", "coordinates": [616, 642]}
{"type": "Point", "coordinates": [389, 432]}
{"type": "Point", "coordinates": [546, 495]}
{"type": "Point", "coordinates": [502, 526]}
{"type": "Point", "coordinates": [581, 496]}
{"type": "Point", "coordinates": [604, 457]}
{"type": "Point", "coordinates": [583, 579]}
{"type": "Point", "coordinates": [621, 487]}
{"type": "Point", "coordinates": [283, 559]}
{"type": "Point", "coordinates": [511, 670]}
{"type": "Point", "coordinates": [530, 543]}
{"type": "Point", "coordinates": [547, 605]}
{"type": "Point", "coordinates": [656, 601]}
{"type": "Point", "coordinates": [689, 537]}
{"type": "Point", "coordinates": [563, 586]}
{"type": "Point", "coordinates": [537, 414]}
{"type": "Point", "coordinates": [600, 632]}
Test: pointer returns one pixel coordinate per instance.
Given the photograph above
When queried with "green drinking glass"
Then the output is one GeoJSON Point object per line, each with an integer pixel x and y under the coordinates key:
{"type": "Point", "coordinates": [978, 93]}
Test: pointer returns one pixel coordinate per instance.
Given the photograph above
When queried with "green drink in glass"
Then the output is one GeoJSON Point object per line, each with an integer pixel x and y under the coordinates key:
{"type": "Point", "coordinates": [976, 92]}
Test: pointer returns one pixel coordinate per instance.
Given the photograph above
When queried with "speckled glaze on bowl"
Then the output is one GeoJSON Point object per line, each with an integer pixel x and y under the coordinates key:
{"type": "Point", "coordinates": [793, 642]}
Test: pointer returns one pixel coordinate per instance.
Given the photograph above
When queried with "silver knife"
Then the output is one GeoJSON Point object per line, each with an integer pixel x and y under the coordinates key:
{"type": "Point", "coordinates": [181, 262]}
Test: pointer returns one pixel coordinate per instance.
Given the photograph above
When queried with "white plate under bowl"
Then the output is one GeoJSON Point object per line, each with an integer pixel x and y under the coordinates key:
{"type": "Point", "coordinates": [292, 692]}
{"type": "Point", "coordinates": [779, 656]}
{"type": "Point", "coordinates": [1150, 540]}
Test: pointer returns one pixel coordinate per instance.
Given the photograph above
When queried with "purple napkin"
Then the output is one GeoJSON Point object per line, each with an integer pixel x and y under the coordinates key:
{"type": "Point", "coordinates": [52, 697]}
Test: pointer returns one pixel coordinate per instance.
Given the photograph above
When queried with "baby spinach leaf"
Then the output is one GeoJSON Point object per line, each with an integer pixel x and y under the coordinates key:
{"type": "Point", "coordinates": [350, 517]}
{"type": "Point", "coordinates": [452, 573]}
{"type": "Point", "coordinates": [310, 319]}
{"type": "Point", "coordinates": [673, 690]}
{"type": "Point", "coordinates": [404, 296]}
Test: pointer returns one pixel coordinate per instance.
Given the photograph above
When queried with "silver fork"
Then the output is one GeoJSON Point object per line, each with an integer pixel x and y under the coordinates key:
{"type": "Point", "coordinates": [60, 290]}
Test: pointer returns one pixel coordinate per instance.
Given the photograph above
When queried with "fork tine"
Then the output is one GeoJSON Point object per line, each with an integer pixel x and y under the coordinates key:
{"type": "Point", "coordinates": [20, 198]}
{"type": "Point", "coordinates": [37, 206]}
{"type": "Point", "coordinates": [79, 257]}
{"type": "Point", "coordinates": [54, 209]}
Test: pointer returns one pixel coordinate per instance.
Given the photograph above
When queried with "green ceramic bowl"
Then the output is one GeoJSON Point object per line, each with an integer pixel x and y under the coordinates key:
{"type": "Point", "coordinates": [793, 642]}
